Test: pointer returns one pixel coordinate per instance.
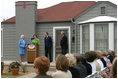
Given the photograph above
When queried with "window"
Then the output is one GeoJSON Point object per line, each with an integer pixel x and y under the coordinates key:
{"type": "Point", "coordinates": [102, 10]}
{"type": "Point", "coordinates": [101, 36]}
{"type": "Point", "coordinates": [85, 38]}
{"type": "Point", "coordinates": [115, 37]}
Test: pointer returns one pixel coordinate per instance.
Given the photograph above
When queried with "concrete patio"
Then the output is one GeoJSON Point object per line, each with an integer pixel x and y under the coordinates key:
{"type": "Point", "coordinates": [29, 68]}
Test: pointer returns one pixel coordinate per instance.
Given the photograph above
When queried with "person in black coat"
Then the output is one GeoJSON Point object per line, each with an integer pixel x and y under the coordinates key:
{"type": "Point", "coordinates": [64, 43]}
{"type": "Point", "coordinates": [87, 65]}
{"type": "Point", "coordinates": [103, 61]}
{"type": "Point", "coordinates": [111, 56]}
{"type": "Point", "coordinates": [48, 46]}
{"type": "Point", "coordinates": [80, 67]}
{"type": "Point", "coordinates": [72, 64]}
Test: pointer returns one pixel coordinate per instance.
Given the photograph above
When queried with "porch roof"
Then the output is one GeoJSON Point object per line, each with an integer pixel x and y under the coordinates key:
{"type": "Point", "coordinates": [99, 19]}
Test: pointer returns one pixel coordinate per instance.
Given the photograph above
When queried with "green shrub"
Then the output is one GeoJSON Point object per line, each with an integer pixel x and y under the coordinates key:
{"type": "Point", "coordinates": [15, 65]}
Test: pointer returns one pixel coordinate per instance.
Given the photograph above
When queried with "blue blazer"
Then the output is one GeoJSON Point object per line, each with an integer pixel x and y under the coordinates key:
{"type": "Point", "coordinates": [48, 41]}
{"type": "Point", "coordinates": [21, 44]}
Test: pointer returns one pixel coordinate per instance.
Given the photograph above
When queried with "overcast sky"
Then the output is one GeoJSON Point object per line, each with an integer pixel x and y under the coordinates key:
{"type": "Point", "coordinates": [8, 6]}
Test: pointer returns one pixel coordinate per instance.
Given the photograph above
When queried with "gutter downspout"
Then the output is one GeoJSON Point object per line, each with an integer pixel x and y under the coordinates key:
{"type": "Point", "coordinates": [72, 20]}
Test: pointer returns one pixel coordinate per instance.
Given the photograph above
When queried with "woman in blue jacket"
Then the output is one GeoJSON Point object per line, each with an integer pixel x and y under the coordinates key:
{"type": "Point", "coordinates": [22, 45]}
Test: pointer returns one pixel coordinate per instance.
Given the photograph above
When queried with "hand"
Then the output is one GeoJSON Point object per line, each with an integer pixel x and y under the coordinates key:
{"type": "Point", "coordinates": [109, 74]}
{"type": "Point", "coordinates": [103, 74]}
{"type": "Point", "coordinates": [109, 67]}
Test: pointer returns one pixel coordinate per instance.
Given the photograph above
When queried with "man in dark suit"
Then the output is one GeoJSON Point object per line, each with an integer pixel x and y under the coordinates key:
{"type": "Point", "coordinates": [64, 43]}
{"type": "Point", "coordinates": [48, 46]}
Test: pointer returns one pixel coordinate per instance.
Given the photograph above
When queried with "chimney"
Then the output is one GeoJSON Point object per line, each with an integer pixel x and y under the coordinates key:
{"type": "Point", "coordinates": [26, 13]}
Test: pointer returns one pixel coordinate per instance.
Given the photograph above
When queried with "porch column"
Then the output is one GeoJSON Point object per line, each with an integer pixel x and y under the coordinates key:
{"type": "Point", "coordinates": [111, 36]}
{"type": "Point", "coordinates": [80, 39]}
{"type": "Point", "coordinates": [91, 27]}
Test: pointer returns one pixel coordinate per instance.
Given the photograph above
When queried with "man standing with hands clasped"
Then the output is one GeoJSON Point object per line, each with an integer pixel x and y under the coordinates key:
{"type": "Point", "coordinates": [64, 43]}
{"type": "Point", "coordinates": [48, 45]}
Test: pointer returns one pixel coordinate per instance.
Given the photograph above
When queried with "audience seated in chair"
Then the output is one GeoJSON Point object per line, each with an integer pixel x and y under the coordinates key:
{"type": "Point", "coordinates": [41, 65]}
{"type": "Point", "coordinates": [81, 68]}
{"type": "Point", "coordinates": [87, 65]}
{"type": "Point", "coordinates": [72, 63]}
{"type": "Point", "coordinates": [104, 56]}
{"type": "Point", "coordinates": [90, 57]}
{"type": "Point", "coordinates": [98, 60]}
{"type": "Point", "coordinates": [113, 73]}
{"type": "Point", "coordinates": [62, 67]}
{"type": "Point", "coordinates": [111, 55]}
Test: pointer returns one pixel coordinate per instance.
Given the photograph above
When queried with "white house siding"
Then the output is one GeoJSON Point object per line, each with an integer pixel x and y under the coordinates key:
{"type": "Point", "coordinates": [41, 28]}
{"type": "Point", "coordinates": [9, 42]}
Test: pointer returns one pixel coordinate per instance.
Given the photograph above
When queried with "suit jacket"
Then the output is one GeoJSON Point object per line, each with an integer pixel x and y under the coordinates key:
{"type": "Point", "coordinates": [64, 42]}
{"type": "Point", "coordinates": [82, 70]}
{"type": "Point", "coordinates": [88, 67]}
{"type": "Point", "coordinates": [48, 41]}
{"type": "Point", "coordinates": [74, 72]}
{"type": "Point", "coordinates": [22, 44]}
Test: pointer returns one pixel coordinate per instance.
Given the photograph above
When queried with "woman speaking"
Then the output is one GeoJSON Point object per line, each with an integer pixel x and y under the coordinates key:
{"type": "Point", "coordinates": [35, 40]}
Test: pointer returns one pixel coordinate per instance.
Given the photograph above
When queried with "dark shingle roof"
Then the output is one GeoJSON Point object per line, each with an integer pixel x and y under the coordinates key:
{"type": "Point", "coordinates": [62, 11]}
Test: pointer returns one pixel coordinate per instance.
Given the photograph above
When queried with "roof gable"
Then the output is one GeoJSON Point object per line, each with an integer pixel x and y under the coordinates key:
{"type": "Point", "coordinates": [94, 5]}
{"type": "Point", "coordinates": [62, 11]}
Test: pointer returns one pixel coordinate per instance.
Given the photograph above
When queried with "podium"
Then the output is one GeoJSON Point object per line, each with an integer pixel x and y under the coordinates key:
{"type": "Point", "coordinates": [33, 52]}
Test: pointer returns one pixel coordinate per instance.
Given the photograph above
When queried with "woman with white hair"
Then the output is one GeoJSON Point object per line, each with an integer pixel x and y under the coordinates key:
{"type": "Point", "coordinates": [72, 63]}
{"type": "Point", "coordinates": [22, 44]}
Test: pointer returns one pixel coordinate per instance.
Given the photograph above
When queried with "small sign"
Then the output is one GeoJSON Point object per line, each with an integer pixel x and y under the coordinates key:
{"type": "Point", "coordinates": [31, 46]}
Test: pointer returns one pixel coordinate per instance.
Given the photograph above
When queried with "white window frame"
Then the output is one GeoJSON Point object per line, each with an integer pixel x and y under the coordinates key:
{"type": "Point", "coordinates": [116, 37]}
{"type": "Point", "coordinates": [91, 27]}
{"type": "Point", "coordinates": [54, 32]}
{"type": "Point", "coordinates": [111, 36]}
{"type": "Point", "coordinates": [80, 39]}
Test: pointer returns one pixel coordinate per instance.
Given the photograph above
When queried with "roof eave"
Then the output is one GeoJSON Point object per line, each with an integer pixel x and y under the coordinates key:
{"type": "Point", "coordinates": [69, 20]}
{"type": "Point", "coordinates": [6, 22]}
{"type": "Point", "coordinates": [97, 22]}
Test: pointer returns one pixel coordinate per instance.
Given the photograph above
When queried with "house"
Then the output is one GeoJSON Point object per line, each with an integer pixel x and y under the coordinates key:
{"type": "Point", "coordinates": [89, 25]}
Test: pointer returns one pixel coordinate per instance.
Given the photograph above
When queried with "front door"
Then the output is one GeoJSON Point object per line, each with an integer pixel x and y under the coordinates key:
{"type": "Point", "coordinates": [56, 40]}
